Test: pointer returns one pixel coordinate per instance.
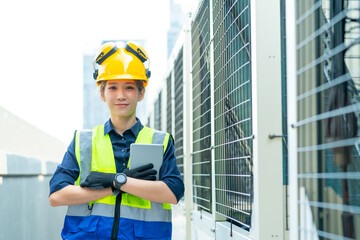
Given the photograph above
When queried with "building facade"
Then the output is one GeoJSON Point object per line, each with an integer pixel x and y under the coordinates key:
{"type": "Point", "coordinates": [262, 100]}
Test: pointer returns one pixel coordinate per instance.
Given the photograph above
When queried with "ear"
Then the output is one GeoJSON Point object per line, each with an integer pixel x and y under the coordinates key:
{"type": "Point", "coordinates": [102, 96]}
{"type": "Point", "coordinates": [141, 95]}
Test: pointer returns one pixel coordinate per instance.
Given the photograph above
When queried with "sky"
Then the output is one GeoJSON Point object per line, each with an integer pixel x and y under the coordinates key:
{"type": "Point", "coordinates": [42, 45]}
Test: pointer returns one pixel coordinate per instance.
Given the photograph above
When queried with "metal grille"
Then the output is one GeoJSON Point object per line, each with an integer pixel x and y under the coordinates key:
{"type": "Point", "coordinates": [200, 41]}
{"type": "Point", "coordinates": [232, 106]}
{"type": "Point", "coordinates": [157, 114]}
{"type": "Point", "coordinates": [169, 104]}
{"type": "Point", "coordinates": [179, 126]}
{"type": "Point", "coordinates": [328, 80]}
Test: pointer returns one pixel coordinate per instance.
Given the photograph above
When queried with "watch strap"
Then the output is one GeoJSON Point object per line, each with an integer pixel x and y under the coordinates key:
{"type": "Point", "coordinates": [119, 184]}
{"type": "Point", "coordinates": [114, 190]}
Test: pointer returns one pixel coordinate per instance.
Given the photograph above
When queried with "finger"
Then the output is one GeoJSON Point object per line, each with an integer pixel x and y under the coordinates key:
{"type": "Point", "coordinates": [150, 178]}
{"type": "Point", "coordinates": [96, 187]}
{"type": "Point", "coordinates": [144, 167]}
{"type": "Point", "coordinates": [85, 183]}
{"type": "Point", "coordinates": [94, 173]}
{"type": "Point", "coordinates": [90, 185]}
{"type": "Point", "coordinates": [147, 172]}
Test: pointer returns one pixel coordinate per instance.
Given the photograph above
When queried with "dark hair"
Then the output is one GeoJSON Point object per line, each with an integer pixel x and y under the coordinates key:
{"type": "Point", "coordinates": [139, 84]}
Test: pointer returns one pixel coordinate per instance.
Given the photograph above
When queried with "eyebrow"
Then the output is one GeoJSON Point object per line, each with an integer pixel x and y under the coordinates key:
{"type": "Point", "coordinates": [115, 83]}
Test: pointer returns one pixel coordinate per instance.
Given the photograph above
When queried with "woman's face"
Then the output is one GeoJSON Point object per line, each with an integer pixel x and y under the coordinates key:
{"type": "Point", "coordinates": [122, 97]}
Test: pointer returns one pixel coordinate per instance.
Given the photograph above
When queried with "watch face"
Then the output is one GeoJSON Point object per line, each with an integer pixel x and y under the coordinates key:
{"type": "Point", "coordinates": [120, 178]}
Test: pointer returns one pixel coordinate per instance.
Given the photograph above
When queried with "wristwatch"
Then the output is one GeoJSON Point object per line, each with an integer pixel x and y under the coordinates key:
{"type": "Point", "coordinates": [120, 179]}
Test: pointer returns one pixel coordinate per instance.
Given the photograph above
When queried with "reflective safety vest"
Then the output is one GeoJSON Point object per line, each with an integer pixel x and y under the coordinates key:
{"type": "Point", "coordinates": [139, 218]}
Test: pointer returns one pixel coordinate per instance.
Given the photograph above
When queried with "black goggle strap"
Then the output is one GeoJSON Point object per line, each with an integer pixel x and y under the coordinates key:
{"type": "Point", "coordinates": [101, 58]}
{"type": "Point", "coordinates": [138, 53]}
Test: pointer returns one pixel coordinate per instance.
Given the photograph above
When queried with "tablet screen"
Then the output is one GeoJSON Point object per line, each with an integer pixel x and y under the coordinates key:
{"type": "Point", "coordinates": [142, 154]}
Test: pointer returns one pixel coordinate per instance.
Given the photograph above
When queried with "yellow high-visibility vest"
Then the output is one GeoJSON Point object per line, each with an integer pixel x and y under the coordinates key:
{"type": "Point", "coordinates": [94, 152]}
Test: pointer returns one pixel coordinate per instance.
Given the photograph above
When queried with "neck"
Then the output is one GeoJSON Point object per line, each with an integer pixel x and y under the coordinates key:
{"type": "Point", "coordinates": [122, 124]}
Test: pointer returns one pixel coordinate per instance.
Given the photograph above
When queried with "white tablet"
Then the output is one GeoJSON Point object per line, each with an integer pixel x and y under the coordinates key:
{"type": "Point", "coordinates": [142, 154]}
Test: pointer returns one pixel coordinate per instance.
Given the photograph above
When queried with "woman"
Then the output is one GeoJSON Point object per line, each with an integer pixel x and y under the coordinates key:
{"type": "Point", "coordinates": [94, 179]}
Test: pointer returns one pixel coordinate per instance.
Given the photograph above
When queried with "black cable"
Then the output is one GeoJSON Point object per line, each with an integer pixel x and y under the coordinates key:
{"type": "Point", "coordinates": [115, 227]}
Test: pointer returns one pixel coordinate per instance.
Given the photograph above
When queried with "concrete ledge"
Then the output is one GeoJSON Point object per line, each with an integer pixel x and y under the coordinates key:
{"type": "Point", "coordinates": [15, 164]}
{"type": "Point", "coordinates": [203, 225]}
{"type": "Point", "coordinates": [223, 230]}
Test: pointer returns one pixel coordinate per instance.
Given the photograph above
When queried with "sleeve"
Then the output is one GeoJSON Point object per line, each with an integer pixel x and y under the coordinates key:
{"type": "Point", "coordinates": [169, 172]}
{"type": "Point", "coordinates": [67, 172]}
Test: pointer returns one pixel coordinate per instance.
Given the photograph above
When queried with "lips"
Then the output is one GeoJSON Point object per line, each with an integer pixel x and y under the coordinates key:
{"type": "Point", "coordinates": [121, 104]}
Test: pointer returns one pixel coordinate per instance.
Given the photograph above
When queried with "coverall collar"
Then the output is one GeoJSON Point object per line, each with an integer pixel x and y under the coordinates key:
{"type": "Point", "coordinates": [135, 129]}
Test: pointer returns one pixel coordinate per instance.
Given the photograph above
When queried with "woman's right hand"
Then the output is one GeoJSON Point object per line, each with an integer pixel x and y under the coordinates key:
{"type": "Point", "coordinates": [145, 172]}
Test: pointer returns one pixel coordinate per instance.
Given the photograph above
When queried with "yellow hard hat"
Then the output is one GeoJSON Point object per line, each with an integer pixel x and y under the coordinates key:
{"type": "Point", "coordinates": [115, 63]}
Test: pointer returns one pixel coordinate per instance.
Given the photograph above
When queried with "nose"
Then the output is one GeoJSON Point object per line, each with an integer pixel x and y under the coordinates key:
{"type": "Point", "coordinates": [120, 94]}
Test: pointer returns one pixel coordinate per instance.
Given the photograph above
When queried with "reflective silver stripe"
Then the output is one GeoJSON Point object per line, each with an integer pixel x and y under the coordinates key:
{"type": "Point", "coordinates": [155, 214]}
{"type": "Point", "coordinates": [158, 137]}
{"type": "Point", "coordinates": [85, 143]}
{"type": "Point", "coordinates": [78, 210]}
